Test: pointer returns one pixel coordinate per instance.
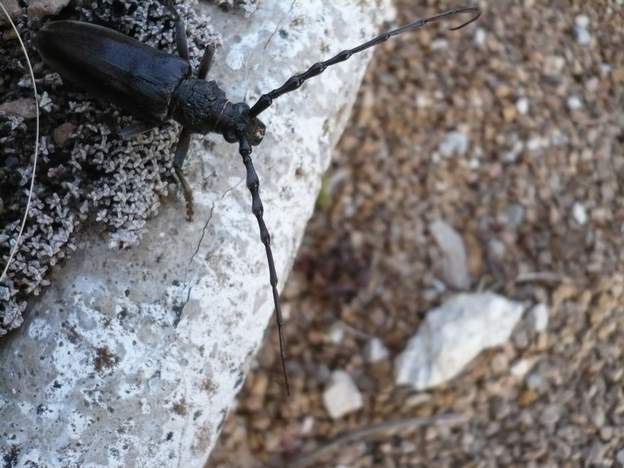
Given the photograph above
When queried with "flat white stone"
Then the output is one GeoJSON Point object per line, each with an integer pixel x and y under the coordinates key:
{"type": "Point", "coordinates": [454, 259]}
{"type": "Point", "coordinates": [342, 395]}
{"type": "Point", "coordinates": [454, 334]}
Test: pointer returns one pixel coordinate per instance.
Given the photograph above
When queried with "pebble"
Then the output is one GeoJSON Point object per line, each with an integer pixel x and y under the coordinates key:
{"type": "Point", "coordinates": [417, 400]}
{"type": "Point", "coordinates": [308, 425]}
{"type": "Point", "coordinates": [512, 155]}
{"type": "Point", "coordinates": [375, 350]}
{"type": "Point", "coordinates": [454, 259]}
{"type": "Point", "coordinates": [336, 333]}
{"type": "Point", "coordinates": [553, 65]}
{"type": "Point", "coordinates": [582, 35]}
{"type": "Point", "coordinates": [342, 396]}
{"type": "Point", "coordinates": [452, 335]}
{"type": "Point", "coordinates": [574, 102]}
{"type": "Point", "coordinates": [522, 105]}
{"type": "Point", "coordinates": [522, 367]}
{"type": "Point", "coordinates": [551, 414]}
{"type": "Point", "coordinates": [480, 37]}
{"type": "Point", "coordinates": [539, 316]}
{"type": "Point", "coordinates": [496, 249]}
{"type": "Point", "coordinates": [579, 213]}
{"type": "Point", "coordinates": [535, 381]}
{"type": "Point", "coordinates": [515, 215]}
{"type": "Point", "coordinates": [439, 44]}
{"type": "Point", "coordinates": [454, 143]}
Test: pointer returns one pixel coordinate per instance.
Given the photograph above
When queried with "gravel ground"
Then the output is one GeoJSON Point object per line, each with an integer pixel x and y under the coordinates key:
{"type": "Point", "coordinates": [529, 104]}
{"type": "Point", "coordinates": [511, 131]}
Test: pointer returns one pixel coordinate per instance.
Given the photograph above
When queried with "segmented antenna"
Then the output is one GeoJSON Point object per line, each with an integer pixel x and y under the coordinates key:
{"type": "Point", "coordinates": [297, 80]}
{"type": "Point", "coordinates": [253, 184]}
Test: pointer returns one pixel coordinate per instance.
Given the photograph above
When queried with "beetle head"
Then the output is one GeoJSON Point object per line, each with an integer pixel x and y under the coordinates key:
{"type": "Point", "coordinates": [246, 126]}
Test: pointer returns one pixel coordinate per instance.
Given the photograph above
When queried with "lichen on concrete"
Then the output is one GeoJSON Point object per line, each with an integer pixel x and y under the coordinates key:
{"type": "Point", "coordinates": [95, 176]}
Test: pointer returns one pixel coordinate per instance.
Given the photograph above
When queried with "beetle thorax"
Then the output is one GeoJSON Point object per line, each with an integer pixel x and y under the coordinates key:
{"type": "Point", "coordinates": [202, 107]}
{"type": "Point", "coordinates": [199, 106]}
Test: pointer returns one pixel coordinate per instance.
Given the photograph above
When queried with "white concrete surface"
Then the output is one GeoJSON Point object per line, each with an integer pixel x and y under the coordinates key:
{"type": "Point", "coordinates": [133, 358]}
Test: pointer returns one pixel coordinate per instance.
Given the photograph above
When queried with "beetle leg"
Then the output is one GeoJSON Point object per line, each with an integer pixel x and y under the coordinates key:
{"type": "Point", "coordinates": [206, 62]}
{"type": "Point", "coordinates": [180, 30]}
{"type": "Point", "coordinates": [181, 151]}
{"type": "Point", "coordinates": [135, 129]}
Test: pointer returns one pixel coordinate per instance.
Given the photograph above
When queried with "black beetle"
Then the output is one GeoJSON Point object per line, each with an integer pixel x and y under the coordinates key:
{"type": "Point", "coordinates": [156, 86]}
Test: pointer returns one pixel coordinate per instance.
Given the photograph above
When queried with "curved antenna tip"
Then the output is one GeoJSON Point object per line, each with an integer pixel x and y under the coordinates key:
{"type": "Point", "coordinates": [475, 10]}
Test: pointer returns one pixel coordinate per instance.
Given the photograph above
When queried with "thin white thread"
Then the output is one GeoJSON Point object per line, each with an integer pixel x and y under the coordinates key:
{"type": "Point", "coordinates": [34, 171]}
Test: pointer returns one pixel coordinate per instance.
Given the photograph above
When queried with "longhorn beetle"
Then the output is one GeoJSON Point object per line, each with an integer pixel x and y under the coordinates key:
{"type": "Point", "coordinates": [155, 86]}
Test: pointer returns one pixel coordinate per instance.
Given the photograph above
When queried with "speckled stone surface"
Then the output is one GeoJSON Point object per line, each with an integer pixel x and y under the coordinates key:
{"type": "Point", "coordinates": [133, 357]}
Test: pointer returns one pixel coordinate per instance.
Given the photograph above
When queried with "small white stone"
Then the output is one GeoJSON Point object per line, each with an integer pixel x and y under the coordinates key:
{"type": "Point", "coordinates": [480, 37]}
{"type": "Point", "coordinates": [553, 65]}
{"type": "Point", "coordinates": [534, 144]}
{"type": "Point", "coordinates": [579, 213]}
{"type": "Point", "coordinates": [515, 215]}
{"type": "Point", "coordinates": [452, 335]}
{"type": "Point", "coordinates": [496, 248]}
{"type": "Point", "coordinates": [522, 105]}
{"type": "Point", "coordinates": [512, 155]}
{"type": "Point", "coordinates": [582, 21]}
{"type": "Point", "coordinates": [417, 400]}
{"type": "Point", "coordinates": [375, 350]}
{"type": "Point", "coordinates": [439, 44]}
{"type": "Point", "coordinates": [336, 333]}
{"type": "Point", "coordinates": [308, 425]}
{"type": "Point", "coordinates": [522, 367]}
{"type": "Point", "coordinates": [535, 381]}
{"type": "Point", "coordinates": [582, 36]}
{"type": "Point", "coordinates": [620, 457]}
{"type": "Point", "coordinates": [539, 316]}
{"type": "Point", "coordinates": [454, 143]}
{"type": "Point", "coordinates": [454, 260]}
{"type": "Point", "coordinates": [574, 102]}
{"type": "Point", "coordinates": [342, 396]}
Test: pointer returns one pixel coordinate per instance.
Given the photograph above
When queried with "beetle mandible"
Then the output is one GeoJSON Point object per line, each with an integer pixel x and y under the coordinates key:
{"type": "Point", "coordinates": [156, 86]}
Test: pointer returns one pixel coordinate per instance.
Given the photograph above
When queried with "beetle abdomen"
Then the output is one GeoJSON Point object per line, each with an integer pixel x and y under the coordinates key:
{"type": "Point", "coordinates": [113, 67]}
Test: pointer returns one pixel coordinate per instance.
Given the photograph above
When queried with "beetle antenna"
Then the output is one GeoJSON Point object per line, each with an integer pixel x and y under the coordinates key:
{"type": "Point", "coordinates": [296, 81]}
{"type": "Point", "coordinates": [253, 184]}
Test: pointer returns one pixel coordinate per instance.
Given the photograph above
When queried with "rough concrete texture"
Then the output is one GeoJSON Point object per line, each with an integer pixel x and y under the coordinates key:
{"type": "Point", "coordinates": [132, 358]}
